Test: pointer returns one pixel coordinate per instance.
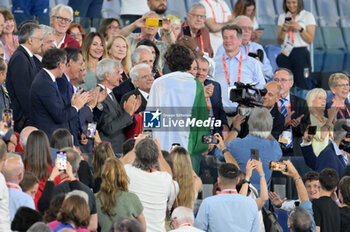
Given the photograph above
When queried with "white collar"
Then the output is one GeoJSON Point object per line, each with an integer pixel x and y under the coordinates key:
{"type": "Point", "coordinates": [38, 57]}
{"type": "Point", "coordinates": [60, 43]}
{"type": "Point", "coordinates": [104, 87]}
{"type": "Point", "coordinates": [27, 50]}
{"type": "Point", "coordinates": [144, 94]}
{"type": "Point", "coordinates": [53, 78]}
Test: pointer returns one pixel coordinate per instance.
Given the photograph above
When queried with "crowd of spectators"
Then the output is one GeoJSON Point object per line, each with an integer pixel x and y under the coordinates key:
{"type": "Point", "coordinates": [79, 152]}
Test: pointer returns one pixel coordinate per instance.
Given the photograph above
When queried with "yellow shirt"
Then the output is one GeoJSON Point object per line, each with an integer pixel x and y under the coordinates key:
{"type": "Point", "coordinates": [318, 144]}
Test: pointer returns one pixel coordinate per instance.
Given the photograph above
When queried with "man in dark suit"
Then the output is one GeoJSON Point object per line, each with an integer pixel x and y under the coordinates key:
{"type": "Point", "coordinates": [21, 73]}
{"type": "Point", "coordinates": [295, 111]}
{"type": "Point", "coordinates": [142, 77]}
{"type": "Point", "coordinates": [141, 55]}
{"type": "Point", "coordinates": [115, 117]}
{"type": "Point", "coordinates": [47, 109]}
{"type": "Point", "coordinates": [212, 91]}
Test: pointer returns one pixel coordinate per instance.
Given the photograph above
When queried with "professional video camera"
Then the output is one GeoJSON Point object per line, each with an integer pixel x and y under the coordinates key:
{"type": "Point", "coordinates": [246, 94]}
{"type": "Point", "coordinates": [345, 145]}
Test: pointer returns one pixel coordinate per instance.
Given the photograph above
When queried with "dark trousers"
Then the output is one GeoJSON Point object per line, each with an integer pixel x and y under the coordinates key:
{"type": "Point", "coordinates": [300, 64]}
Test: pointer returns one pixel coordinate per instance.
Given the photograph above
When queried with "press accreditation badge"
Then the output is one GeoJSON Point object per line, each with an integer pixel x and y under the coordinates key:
{"type": "Point", "coordinates": [286, 138]}
{"type": "Point", "coordinates": [287, 48]}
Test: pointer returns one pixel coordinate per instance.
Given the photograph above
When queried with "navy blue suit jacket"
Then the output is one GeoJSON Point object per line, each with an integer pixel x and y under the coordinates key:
{"type": "Point", "coordinates": [326, 159]}
{"type": "Point", "coordinates": [122, 89]}
{"type": "Point", "coordinates": [216, 102]}
{"type": "Point", "coordinates": [47, 109]}
{"type": "Point", "coordinates": [20, 75]}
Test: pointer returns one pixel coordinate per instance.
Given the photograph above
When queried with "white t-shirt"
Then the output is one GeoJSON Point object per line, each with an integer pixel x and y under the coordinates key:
{"type": "Point", "coordinates": [153, 189]}
{"type": "Point", "coordinates": [4, 206]}
{"type": "Point", "coordinates": [304, 18]}
{"type": "Point", "coordinates": [219, 11]}
{"type": "Point", "coordinates": [134, 7]}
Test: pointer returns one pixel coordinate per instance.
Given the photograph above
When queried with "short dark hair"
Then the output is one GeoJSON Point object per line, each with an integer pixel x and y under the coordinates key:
{"type": "Point", "coordinates": [228, 173]}
{"type": "Point", "coordinates": [233, 27]}
{"type": "Point", "coordinates": [310, 176]}
{"type": "Point", "coordinates": [300, 6]}
{"type": "Point", "coordinates": [26, 31]}
{"type": "Point", "coordinates": [344, 187]}
{"type": "Point", "coordinates": [53, 57]}
{"type": "Point", "coordinates": [128, 145]}
{"type": "Point", "coordinates": [329, 179]}
{"type": "Point", "coordinates": [61, 138]}
{"type": "Point", "coordinates": [72, 54]}
{"type": "Point", "coordinates": [24, 218]}
{"type": "Point", "coordinates": [179, 58]}
{"type": "Point", "coordinates": [55, 205]}
{"type": "Point", "coordinates": [146, 155]}
{"type": "Point", "coordinates": [126, 224]}
{"type": "Point", "coordinates": [300, 220]}
{"type": "Point", "coordinates": [28, 181]}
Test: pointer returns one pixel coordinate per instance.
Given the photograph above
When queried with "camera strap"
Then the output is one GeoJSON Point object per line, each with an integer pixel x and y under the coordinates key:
{"type": "Point", "coordinates": [213, 12]}
{"type": "Point", "coordinates": [239, 69]}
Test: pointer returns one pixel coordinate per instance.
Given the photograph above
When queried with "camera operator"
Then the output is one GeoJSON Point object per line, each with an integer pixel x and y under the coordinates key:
{"type": "Point", "coordinates": [335, 154]}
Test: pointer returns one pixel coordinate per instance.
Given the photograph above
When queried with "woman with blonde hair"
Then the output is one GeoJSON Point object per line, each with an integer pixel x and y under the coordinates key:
{"type": "Point", "coordinates": [339, 85]}
{"type": "Point", "coordinates": [118, 49]}
{"type": "Point", "coordinates": [190, 184]}
{"type": "Point", "coordinates": [8, 39]}
{"type": "Point", "coordinates": [316, 101]}
{"type": "Point", "coordinates": [113, 200]}
{"type": "Point", "coordinates": [93, 49]}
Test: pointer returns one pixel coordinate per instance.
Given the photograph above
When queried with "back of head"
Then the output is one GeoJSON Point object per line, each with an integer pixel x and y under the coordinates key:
{"type": "Point", "coordinates": [28, 181]}
{"type": "Point", "coordinates": [146, 155]}
{"type": "Point", "coordinates": [73, 157]}
{"type": "Point", "coordinates": [260, 123]}
{"type": "Point", "coordinates": [23, 137]}
{"type": "Point", "coordinates": [55, 205]}
{"type": "Point", "coordinates": [338, 131]}
{"type": "Point", "coordinates": [183, 215]}
{"type": "Point", "coordinates": [27, 31]}
{"type": "Point", "coordinates": [344, 187]}
{"type": "Point", "coordinates": [75, 209]}
{"type": "Point", "coordinates": [24, 218]}
{"type": "Point", "coordinates": [101, 152]}
{"type": "Point", "coordinates": [13, 170]}
{"type": "Point", "coordinates": [300, 220]}
{"type": "Point", "coordinates": [39, 226]}
{"type": "Point", "coordinates": [228, 174]}
{"type": "Point", "coordinates": [61, 138]}
{"type": "Point", "coordinates": [179, 58]}
{"type": "Point", "coordinates": [329, 179]}
{"type": "Point", "coordinates": [53, 57]}
{"type": "Point", "coordinates": [125, 224]}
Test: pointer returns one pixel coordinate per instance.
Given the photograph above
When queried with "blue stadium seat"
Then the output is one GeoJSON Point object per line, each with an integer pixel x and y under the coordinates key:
{"type": "Point", "coordinates": [282, 217]}
{"type": "Point", "coordinates": [279, 6]}
{"type": "Point", "coordinates": [272, 51]}
{"type": "Point", "coordinates": [111, 9]}
{"type": "Point", "coordinates": [270, 34]}
{"type": "Point", "coordinates": [346, 33]}
{"type": "Point", "coordinates": [344, 12]}
{"type": "Point", "coordinates": [309, 5]}
{"type": "Point", "coordinates": [335, 49]}
{"type": "Point", "coordinates": [177, 8]}
{"type": "Point", "coordinates": [265, 12]}
{"type": "Point", "coordinates": [319, 50]}
{"type": "Point", "coordinates": [328, 13]}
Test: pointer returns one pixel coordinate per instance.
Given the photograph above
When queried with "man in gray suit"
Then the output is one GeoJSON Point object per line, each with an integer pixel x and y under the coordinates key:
{"type": "Point", "coordinates": [115, 117]}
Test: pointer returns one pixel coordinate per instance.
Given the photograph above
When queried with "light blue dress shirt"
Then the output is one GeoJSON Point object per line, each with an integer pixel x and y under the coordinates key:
{"type": "Point", "coordinates": [17, 199]}
{"type": "Point", "coordinates": [253, 47]}
{"type": "Point", "coordinates": [250, 72]}
{"type": "Point", "coordinates": [269, 150]}
{"type": "Point", "coordinates": [228, 212]}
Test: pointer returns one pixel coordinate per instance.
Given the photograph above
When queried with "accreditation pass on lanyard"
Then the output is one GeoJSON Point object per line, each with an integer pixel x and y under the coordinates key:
{"type": "Point", "coordinates": [289, 45]}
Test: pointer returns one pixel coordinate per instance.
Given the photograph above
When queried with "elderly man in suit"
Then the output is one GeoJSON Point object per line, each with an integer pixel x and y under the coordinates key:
{"type": "Point", "coordinates": [21, 72]}
{"type": "Point", "coordinates": [47, 109]}
{"type": "Point", "coordinates": [115, 117]}
{"type": "Point", "coordinates": [142, 77]}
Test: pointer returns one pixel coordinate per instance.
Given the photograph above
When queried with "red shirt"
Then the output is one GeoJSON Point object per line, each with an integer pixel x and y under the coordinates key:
{"type": "Point", "coordinates": [69, 41]}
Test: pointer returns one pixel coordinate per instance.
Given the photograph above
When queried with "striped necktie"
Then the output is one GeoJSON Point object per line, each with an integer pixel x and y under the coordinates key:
{"type": "Point", "coordinates": [283, 108]}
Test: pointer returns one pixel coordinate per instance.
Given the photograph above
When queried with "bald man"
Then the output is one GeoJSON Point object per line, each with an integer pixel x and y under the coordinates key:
{"type": "Point", "coordinates": [23, 137]}
{"type": "Point", "coordinates": [270, 101]}
{"type": "Point", "coordinates": [13, 171]}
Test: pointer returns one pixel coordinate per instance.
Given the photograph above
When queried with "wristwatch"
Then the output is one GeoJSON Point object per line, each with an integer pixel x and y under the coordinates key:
{"type": "Point", "coordinates": [301, 30]}
{"type": "Point", "coordinates": [245, 181]}
{"type": "Point", "coordinates": [225, 150]}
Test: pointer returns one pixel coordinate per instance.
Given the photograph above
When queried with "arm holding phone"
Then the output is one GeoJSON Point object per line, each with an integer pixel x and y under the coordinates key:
{"type": "Point", "coordinates": [227, 154]}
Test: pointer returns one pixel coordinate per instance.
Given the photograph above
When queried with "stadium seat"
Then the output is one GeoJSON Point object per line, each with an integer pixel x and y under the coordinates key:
{"type": "Point", "coordinates": [229, 3]}
{"type": "Point", "coordinates": [111, 9]}
{"type": "Point", "coordinates": [272, 51]}
{"type": "Point", "coordinates": [309, 5]}
{"type": "Point", "coordinates": [177, 8]}
{"type": "Point", "coordinates": [335, 49]}
{"type": "Point", "coordinates": [328, 13]}
{"type": "Point", "coordinates": [265, 12]}
{"type": "Point", "coordinates": [279, 6]}
{"type": "Point", "coordinates": [346, 33]}
{"type": "Point", "coordinates": [270, 34]}
{"type": "Point", "coordinates": [344, 12]}
{"type": "Point", "coordinates": [282, 217]}
{"type": "Point", "coordinates": [319, 50]}
{"type": "Point", "coordinates": [189, 3]}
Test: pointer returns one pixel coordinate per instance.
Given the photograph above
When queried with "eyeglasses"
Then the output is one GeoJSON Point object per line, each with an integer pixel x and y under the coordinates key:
{"type": "Point", "coordinates": [343, 85]}
{"type": "Point", "coordinates": [147, 76]}
{"type": "Point", "coordinates": [115, 27]}
{"type": "Point", "coordinates": [62, 20]}
{"type": "Point", "coordinates": [281, 80]}
{"type": "Point", "coordinates": [198, 16]}
{"type": "Point", "coordinates": [76, 34]}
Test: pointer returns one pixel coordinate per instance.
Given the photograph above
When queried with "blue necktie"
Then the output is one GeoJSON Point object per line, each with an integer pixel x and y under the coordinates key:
{"type": "Point", "coordinates": [56, 85]}
{"type": "Point", "coordinates": [284, 110]}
